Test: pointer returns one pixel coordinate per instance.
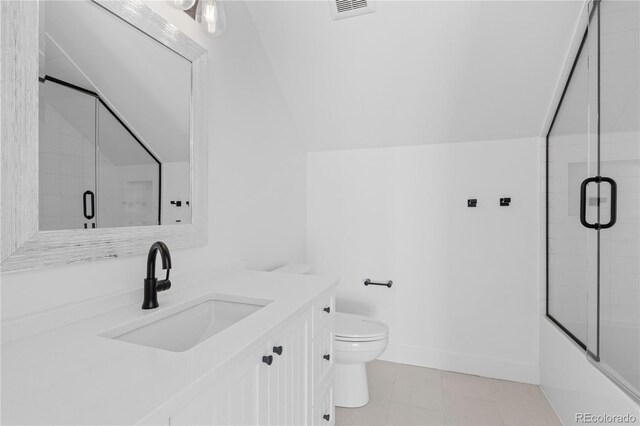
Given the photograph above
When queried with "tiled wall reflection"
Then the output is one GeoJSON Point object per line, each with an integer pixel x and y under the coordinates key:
{"type": "Point", "coordinates": [67, 156]}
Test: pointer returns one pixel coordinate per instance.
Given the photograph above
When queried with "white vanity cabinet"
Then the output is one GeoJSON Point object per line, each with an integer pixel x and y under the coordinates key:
{"type": "Point", "coordinates": [234, 400]}
{"type": "Point", "coordinates": [285, 380]}
{"type": "Point", "coordinates": [284, 395]}
{"type": "Point", "coordinates": [322, 360]}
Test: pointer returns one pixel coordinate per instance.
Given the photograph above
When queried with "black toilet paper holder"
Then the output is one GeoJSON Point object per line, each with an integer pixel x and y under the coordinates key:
{"type": "Point", "coordinates": [369, 282]}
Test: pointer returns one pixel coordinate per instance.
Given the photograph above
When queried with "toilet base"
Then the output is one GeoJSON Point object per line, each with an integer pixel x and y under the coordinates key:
{"type": "Point", "coordinates": [351, 389]}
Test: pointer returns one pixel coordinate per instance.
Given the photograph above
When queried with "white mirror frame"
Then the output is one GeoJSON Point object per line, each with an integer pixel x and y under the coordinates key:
{"type": "Point", "coordinates": [24, 247]}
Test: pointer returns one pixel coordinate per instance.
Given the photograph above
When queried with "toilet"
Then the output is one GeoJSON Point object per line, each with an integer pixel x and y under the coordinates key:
{"type": "Point", "coordinates": [357, 340]}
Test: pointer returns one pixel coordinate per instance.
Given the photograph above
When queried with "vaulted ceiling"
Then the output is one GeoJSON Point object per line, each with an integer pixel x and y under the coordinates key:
{"type": "Point", "coordinates": [417, 72]}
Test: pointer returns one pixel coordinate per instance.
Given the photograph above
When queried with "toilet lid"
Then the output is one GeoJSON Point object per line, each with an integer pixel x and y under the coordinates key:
{"type": "Point", "coordinates": [358, 328]}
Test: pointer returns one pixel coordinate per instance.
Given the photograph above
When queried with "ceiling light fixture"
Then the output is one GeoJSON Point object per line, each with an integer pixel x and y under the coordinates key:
{"type": "Point", "coordinates": [210, 15]}
{"type": "Point", "coordinates": [182, 4]}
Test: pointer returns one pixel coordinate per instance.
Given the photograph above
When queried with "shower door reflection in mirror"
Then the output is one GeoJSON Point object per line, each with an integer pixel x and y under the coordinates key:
{"type": "Point", "coordinates": [115, 137]}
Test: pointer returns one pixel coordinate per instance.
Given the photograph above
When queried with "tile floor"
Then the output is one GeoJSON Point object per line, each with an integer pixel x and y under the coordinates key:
{"type": "Point", "coordinates": [402, 394]}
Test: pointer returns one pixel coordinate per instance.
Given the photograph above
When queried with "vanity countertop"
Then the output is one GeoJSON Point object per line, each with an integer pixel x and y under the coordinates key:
{"type": "Point", "coordinates": [72, 375]}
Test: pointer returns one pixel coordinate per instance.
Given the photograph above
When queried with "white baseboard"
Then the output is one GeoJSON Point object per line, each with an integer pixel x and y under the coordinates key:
{"type": "Point", "coordinates": [464, 363]}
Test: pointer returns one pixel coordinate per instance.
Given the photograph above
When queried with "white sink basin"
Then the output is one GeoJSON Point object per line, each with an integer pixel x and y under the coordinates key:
{"type": "Point", "coordinates": [184, 326]}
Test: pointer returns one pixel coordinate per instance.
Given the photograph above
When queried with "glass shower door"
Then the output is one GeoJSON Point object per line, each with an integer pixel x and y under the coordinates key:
{"type": "Point", "coordinates": [67, 186]}
{"type": "Point", "coordinates": [614, 330]}
{"type": "Point", "coordinates": [593, 196]}
{"type": "Point", "coordinates": [571, 248]}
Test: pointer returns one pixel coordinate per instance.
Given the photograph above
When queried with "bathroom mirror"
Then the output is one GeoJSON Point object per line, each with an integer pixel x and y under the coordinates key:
{"type": "Point", "coordinates": [108, 148]}
{"type": "Point", "coordinates": [114, 122]}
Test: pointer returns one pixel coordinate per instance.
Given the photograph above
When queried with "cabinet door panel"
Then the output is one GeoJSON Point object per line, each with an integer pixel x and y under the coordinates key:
{"type": "Point", "coordinates": [233, 400]}
{"type": "Point", "coordinates": [242, 399]}
{"type": "Point", "coordinates": [288, 381]}
{"type": "Point", "coordinates": [323, 409]}
{"type": "Point", "coordinates": [198, 412]}
{"type": "Point", "coordinates": [220, 409]}
{"type": "Point", "coordinates": [298, 381]}
{"type": "Point", "coordinates": [322, 349]}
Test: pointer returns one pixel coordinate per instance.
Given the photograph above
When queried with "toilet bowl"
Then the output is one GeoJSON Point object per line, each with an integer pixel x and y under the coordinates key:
{"type": "Point", "coordinates": [357, 340]}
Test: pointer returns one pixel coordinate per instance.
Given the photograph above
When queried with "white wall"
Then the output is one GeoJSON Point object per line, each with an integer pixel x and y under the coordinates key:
{"type": "Point", "coordinates": [256, 180]}
{"type": "Point", "coordinates": [465, 293]}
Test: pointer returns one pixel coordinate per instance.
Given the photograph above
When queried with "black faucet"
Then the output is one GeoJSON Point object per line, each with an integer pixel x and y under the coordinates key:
{"type": "Point", "coordinates": [151, 284]}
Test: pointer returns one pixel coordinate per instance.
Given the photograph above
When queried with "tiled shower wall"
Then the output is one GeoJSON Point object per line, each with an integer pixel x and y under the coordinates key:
{"type": "Point", "coordinates": [128, 194]}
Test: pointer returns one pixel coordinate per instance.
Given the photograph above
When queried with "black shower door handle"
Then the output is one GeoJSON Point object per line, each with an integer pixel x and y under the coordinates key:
{"type": "Point", "coordinates": [92, 199]}
{"type": "Point", "coordinates": [583, 202]}
{"type": "Point", "coordinates": [614, 203]}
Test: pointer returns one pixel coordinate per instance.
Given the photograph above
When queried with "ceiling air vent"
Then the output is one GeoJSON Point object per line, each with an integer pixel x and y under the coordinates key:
{"type": "Point", "coordinates": [347, 8]}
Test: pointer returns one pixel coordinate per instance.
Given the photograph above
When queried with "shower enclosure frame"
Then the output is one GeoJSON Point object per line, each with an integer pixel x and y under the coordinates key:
{"type": "Point", "coordinates": [594, 358]}
{"type": "Point", "coordinates": [555, 115]}
{"type": "Point", "coordinates": [87, 92]}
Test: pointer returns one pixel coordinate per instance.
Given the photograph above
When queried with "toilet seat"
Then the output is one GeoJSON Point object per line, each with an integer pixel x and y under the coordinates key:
{"type": "Point", "coordinates": [357, 328]}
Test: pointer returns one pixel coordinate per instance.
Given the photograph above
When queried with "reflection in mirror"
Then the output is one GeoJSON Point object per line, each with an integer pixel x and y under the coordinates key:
{"type": "Point", "coordinates": [115, 107]}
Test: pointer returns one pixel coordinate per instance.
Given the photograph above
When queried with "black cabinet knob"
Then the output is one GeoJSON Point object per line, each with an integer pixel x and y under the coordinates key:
{"type": "Point", "coordinates": [267, 359]}
{"type": "Point", "coordinates": [327, 357]}
{"type": "Point", "coordinates": [327, 417]}
{"type": "Point", "coordinates": [277, 350]}
{"type": "Point", "coordinates": [327, 309]}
